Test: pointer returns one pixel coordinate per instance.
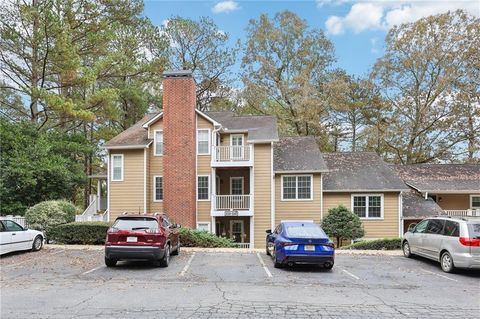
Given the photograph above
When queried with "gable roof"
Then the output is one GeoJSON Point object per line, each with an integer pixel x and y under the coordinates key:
{"type": "Point", "coordinates": [415, 206]}
{"type": "Point", "coordinates": [359, 171]}
{"type": "Point", "coordinates": [298, 154]}
{"type": "Point", "coordinates": [449, 178]}
{"type": "Point", "coordinates": [260, 128]}
{"type": "Point", "coordinates": [133, 137]}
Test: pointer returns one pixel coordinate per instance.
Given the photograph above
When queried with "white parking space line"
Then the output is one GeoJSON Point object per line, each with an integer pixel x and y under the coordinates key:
{"type": "Point", "coordinates": [92, 270]}
{"type": "Point", "coordinates": [439, 275]}
{"type": "Point", "coordinates": [184, 270]}
{"type": "Point", "coordinates": [350, 274]}
{"type": "Point", "coordinates": [269, 274]}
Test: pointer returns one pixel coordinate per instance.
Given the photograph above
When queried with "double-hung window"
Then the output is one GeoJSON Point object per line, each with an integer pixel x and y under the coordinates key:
{"type": "Point", "coordinates": [117, 167]}
{"type": "Point", "coordinates": [157, 188]}
{"type": "Point", "coordinates": [158, 143]}
{"type": "Point", "coordinates": [297, 187]}
{"type": "Point", "coordinates": [475, 201]}
{"type": "Point", "coordinates": [203, 142]}
{"type": "Point", "coordinates": [203, 187]}
{"type": "Point", "coordinates": [368, 206]}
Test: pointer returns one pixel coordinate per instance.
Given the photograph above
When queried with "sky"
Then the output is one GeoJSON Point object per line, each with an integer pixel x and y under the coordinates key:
{"type": "Point", "coordinates": [356, 28]}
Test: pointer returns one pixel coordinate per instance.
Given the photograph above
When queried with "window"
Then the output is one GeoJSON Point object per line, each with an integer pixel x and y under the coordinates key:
{"type": "Point", "coordinates": [157, 188]}
{"type": "Point", "coordinates": [368, 206]}
{"type": "Point", "coordinates": [158, 143]}
{"type": "Point", "coordinates": [297, 187]}
{"type": "Point", "coordinates": [117, 167]}
{"type": "Point", "coordinates": [203, 142]}
{"type": "Point", "coordinates": [202, 188]}
{"type": "Point", "coordinates": [435, 226]}
{"type": "Point", "coordinates": [203, 226]}
{"type": "Point", "coordinates": [475, 201]}
{"type": "Point", "coordinates": [451, 229]}
{"type": "Point", "coordinates": [421, 226]}
{"type": "Point", "coordinates": [12, 226]}
{"type": "Point", "coordinates": [236, 185]}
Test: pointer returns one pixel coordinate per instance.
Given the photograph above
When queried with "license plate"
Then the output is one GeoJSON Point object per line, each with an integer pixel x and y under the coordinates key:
{"type": "Point", "coordinates": [309, 248]}
{"type": "Point", "coordinates": [132, 239]}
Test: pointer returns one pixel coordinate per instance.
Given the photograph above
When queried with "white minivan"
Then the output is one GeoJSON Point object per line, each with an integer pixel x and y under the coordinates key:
{"type": "Point", "coordinates": [453, 241]}
{"type": "Point", "coordinates": [14, 237]}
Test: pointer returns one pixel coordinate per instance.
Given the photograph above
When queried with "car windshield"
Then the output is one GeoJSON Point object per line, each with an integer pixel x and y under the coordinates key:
{"type": "Point", "coordinates": [474, 230]}
{"type": "Point", "coordinates": [135, 223]}
{"type": "Point", "coordinates": [305, 231]}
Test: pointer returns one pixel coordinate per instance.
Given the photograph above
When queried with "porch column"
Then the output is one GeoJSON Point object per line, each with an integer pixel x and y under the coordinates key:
{"type": "Point", "coordinates": [99, 193]}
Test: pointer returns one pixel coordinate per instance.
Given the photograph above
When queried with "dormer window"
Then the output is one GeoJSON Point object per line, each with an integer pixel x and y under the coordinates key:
{"type": "Point", "coordinates": [158, 143]}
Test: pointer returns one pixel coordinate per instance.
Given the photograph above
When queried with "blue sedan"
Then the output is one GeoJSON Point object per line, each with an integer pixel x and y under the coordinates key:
{"type": "Point", "coordinates": [299, 242]}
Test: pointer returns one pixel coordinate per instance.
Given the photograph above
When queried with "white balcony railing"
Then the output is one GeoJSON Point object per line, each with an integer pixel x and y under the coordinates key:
{"type": "Point", "coordinates": [462, 212]}
{"type": "Point", "coordinates": [231, 202]}
{"type": "Point", "coordinates": [232, 153]}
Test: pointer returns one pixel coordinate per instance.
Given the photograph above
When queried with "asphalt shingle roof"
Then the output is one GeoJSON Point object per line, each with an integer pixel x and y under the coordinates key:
{"type": "Point", "coordinates": [259, 127]}
{"type": "Point", "coordinates": [359, 171]}
{"type": "Point", "coordinates": [134, 135]}
{"type": "Point", "coordinates": [441, 177]}
{"type": "Point", "coordinates": [299, 154]}
{"type": "Point", "coordinates": [416, 206]}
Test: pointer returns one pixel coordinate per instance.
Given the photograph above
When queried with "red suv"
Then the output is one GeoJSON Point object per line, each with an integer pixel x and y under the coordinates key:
{"type": "Point", "coordinates": [142, 236]}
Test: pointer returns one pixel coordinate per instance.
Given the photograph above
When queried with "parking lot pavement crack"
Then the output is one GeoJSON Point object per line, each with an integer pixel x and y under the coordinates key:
{"type": "Point", "coordinates": [222, 292]}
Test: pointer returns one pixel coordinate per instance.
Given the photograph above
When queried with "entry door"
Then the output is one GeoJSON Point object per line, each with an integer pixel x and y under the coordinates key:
{"type": "Point", "coordinates": [236, 141]}
{"type": "Point", "coordinates": [236, 230]}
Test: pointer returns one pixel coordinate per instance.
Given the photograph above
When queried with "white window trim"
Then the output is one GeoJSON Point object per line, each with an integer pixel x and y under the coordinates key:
{"type": "Point", "coordinates": [155, 143]}
{"type": "Point", "coordinates": [296, 199]}
{"type": "Point", "coordinates": [205, 223]}
{"type": "Point", "coordinates": [204, 200]}
{"type": "Point", "coordinates": [209, 141]}
{"type": "Point", "coordinates": [382, 206]}
{"type": "Point", "coordinates": [471, 201]}
{"type": "Point", "coordinates": [154, 189]}
{"type": "Point", "coordinates": [243, 183]}
{"type": "Point", "coordinates": [111, 168]}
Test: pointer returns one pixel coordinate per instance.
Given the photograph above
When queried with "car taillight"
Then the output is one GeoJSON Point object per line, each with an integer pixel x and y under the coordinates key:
{"type": "Point", "coordinates": [286, 243]}
{"type": "Point", "coordinates": [112, 230]}
{"type": "Point", "coordinates": [469, 241]}
{"type": "Point", "coordinates": [329, 245]}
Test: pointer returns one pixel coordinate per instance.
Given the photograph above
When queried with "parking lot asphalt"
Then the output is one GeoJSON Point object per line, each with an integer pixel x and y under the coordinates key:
{"type": "Point", "coordinates": [58, 283]}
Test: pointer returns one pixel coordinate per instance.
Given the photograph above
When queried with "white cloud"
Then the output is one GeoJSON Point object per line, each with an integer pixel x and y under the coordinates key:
{"type": "Point", "coordinates": [374, 49]}
{"type": "Point", "coordinates": [384, 14]}
{"type": "Point", "coordinates": [321, 3]}
{"type": "Point", "coordinates": [225, 7]}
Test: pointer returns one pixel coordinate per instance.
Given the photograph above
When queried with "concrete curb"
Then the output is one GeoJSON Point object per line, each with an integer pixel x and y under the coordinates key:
{"type": "Point", "coordinates": [234, 250]}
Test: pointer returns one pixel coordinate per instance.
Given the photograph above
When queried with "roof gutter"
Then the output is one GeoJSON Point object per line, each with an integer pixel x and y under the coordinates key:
{"type": "Point", "coordinates": [301, 171]}
{"type": "Point", "coordinates": [127, 147]}
{"type": "Point", "coordinates": [362, 190]}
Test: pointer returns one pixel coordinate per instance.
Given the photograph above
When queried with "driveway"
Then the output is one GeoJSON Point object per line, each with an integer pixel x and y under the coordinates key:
{"type": "Point", "coordinates": [57, 283]}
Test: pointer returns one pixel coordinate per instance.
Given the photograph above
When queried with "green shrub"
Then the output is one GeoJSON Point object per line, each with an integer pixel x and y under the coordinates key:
{"type": "Point", "coordinates": [47, 214]}
{"type": "Point", "coordinates": [340, 223]}
{"type": "Point", "coordinates": [85, 233]}
{"type": "Point", "coordinates": [196, 238]}
{"type": "Point", "coordinates": [377, 244]}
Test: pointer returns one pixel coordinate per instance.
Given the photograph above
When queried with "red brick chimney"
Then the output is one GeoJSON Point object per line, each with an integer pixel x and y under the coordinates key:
{"type": "Point", "coordinates": [179, 159]}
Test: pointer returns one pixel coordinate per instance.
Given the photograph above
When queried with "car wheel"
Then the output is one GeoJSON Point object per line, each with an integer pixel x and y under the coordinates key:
{"type": "Point", "coordinates": [406, 249]}
{"type": "Point", "coordinates": [276, 264]}
{"type": "Point", "coordinates": [177, 251]}
{"type": "Point", "coordinates": [329, 266]}
{"type": "Point", "coordinates": [37, 243]}
{"type": "Point", "coordinates": [446, 261]}
{"type": "Point", "coordinates": [166, 258]}
{"type": "Point", "coordinates": [110, 262]}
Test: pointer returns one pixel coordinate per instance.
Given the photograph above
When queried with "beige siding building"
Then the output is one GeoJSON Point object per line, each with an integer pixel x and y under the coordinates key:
{"type": "Point", "coordinates": [233, 176]}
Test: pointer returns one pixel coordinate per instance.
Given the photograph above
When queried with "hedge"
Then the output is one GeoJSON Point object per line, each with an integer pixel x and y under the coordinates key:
{"type": "Point", "coordinates": [196, 238]}
{"type": "Point", "coordinates": [45, 215]}
{"type": "Point", "coordinates": [86, 233]}
{"type": "Point", "coordinates": [377, 244]}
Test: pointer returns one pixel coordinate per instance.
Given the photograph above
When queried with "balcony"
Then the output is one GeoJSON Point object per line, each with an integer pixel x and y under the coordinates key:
{"type": "Point", "coordinates": [224, 156]}
{"type": "Point", "coordinates": [232, 205]}
{"type": "Point", "coordinates": [462, 212]}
